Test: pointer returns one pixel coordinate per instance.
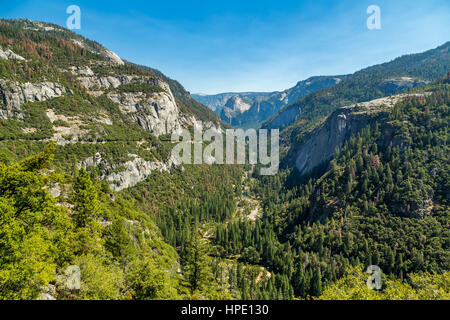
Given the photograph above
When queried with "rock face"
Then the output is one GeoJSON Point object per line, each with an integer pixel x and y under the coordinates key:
{"type": "Point", "coordinates": [235, 106]}
{"type": "Point", "coordinates": [237, 103]}
{"type": "Point", "coordinates": [131, 172]}
{"type": "Point", "coordinates": [91, 82]}
{"type": "Point", "coordinates": [319, 146]}
{"type": "Point", "coordinates": [8, 54]}
{"type": "Point", "coordinates": [72, 133]}
{"type": "Point", "coordinates": [156, 112]}
{"type": "Point", "coordinates": [82, 71]}
{"type": "Point", "coordinates": [394, 85]}
{"type": "Point", "coordinates": [112, 56]}
{"type": "Point", "coordinates": [14, 94]}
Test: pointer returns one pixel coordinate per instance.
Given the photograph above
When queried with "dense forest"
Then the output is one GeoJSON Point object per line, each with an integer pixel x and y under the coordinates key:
{"type": "Point", "coordinates": [376, 204]}
{"type": "Point", "coordinates": [383, 200]}
{"type": "Point", "coordinates": [214, 231]}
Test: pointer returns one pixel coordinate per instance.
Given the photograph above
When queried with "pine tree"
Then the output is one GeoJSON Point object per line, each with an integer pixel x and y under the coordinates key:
{"type": "Point", "coordinates": [316, 283]}
{"type": "Point", "coordinates": [87, 207]}
{"type": "Point", "coordinates": [86, 213]}
{"type": "Point", "coordinates": [196, 263]}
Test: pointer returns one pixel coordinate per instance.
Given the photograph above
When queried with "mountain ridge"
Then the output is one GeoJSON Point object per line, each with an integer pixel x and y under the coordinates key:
{"type": "Point", "coordinates": [261, 105]}
{"type": "Point", "coordinates": [395, 76]}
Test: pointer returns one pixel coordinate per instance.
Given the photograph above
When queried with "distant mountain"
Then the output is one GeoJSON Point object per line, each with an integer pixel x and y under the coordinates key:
{"type": "Point", "coordinates": [250, 109]}
{"type": "Point", "coordinates": [217, 102]}
{"type": "Point", "coordinates": [381, 80]}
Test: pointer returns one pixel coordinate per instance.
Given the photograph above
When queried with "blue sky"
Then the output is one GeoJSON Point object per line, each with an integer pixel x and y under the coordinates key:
{"type": "Point", "coordinates": [218, 46]}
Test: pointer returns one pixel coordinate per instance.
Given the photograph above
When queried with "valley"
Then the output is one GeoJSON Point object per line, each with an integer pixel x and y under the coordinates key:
{"type": "Point", "coordinates": [88, 180]}
{"type": "Point", "coordinates": [251, 109]}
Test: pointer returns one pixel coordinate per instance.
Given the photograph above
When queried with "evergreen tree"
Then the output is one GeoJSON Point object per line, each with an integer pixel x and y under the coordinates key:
{"type": "Point", "coordinates": [196, 263]}
{"type": "Point", "coordinates": [316, 283]}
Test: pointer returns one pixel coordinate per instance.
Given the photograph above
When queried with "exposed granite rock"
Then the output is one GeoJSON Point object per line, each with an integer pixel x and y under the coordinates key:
{"type": "Point", "coordinates": [55, 190]}
{"type": "Point", "coordinates": [72, 133]}
{"type": "Point", "coordinates": [188, 121]}
{"type": "Point", "coordinates": [29, 130]}
{"type": "Point", "coordinates": [394, 85]}
{"type": "Point", "coordinates": [156, 112]}
{"type": "Point", "coordinates": [47, 293]}
{"type": "Point", "coordinates": [98, 83]}
{"type": "Point", "coordinates": [14, 94]}
{"type": "Point", "coordinates": [132, 172]}
{"type": "Point", "coordinates": [319, 145]}
{"type": "Point", "coordinates": [239, 104]}
{"type": "Point", "coordinates": [81, 71]}
{"type": "Point", "coordinates": [112, 56]}
{"type": "Point", "coordinates": [8, 54]}
{"type": "Point", "coordinates": [46, 296]}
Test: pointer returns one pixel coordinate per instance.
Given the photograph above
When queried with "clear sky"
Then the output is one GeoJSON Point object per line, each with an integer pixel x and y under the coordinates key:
{"type": "Point", "coordinates": [244, 45]}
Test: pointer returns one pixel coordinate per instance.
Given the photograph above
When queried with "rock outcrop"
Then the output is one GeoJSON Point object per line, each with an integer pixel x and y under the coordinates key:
{"type": "Point", "coordinates": [14, 94]}
{"type": "Point", "coordinates": [318, 146]}
{"type": "Point", "coordinates": [394, 85]}
{"type": "Point", "coordinates": [92, 82]}
{"type": "Point", "coordinates": [8, 54]}
{"type": "Point", "coordinates": [127, 174]}
{"type": "Point", "coordinates": [72, 132]}
{"type": "Point", "coordinates": [81, 71]}
{"type": "Point", "coordinates": [156, 112]}
{"type": "Point", "coordinates": [113, 57]}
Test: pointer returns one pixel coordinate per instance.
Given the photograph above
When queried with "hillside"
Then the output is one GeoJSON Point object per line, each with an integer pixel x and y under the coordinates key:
{"type": "Point", "coordinates": [58, 86]}
{"type": "Point", "coordinates": [382, 199]}
{"type": "Point", "coordinates": [185, 100]}
{"type": "Point", "coordinates": [396, 76]}
{"type": "Point", "coordinates": [87, 175]}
